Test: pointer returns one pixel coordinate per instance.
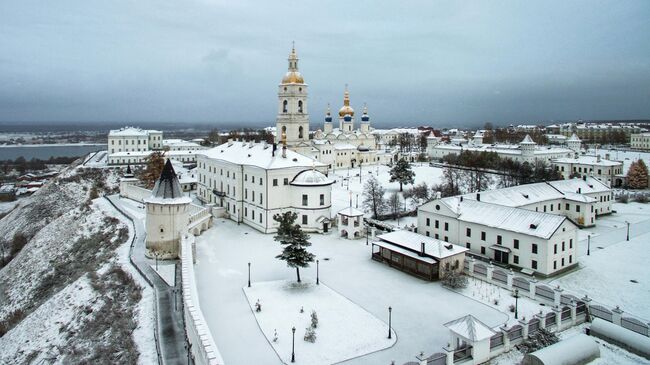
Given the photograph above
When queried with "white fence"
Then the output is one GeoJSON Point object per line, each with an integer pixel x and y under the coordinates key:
{"type": "Point", "coordinates": [203, 348]}
{"type": "Point", "coordinates": [134, 192]}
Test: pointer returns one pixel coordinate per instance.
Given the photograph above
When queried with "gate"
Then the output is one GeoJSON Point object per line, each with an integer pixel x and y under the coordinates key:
{"type": "Point", "coordinates": [437, 359]}
{"type": "Point", "coordinates": [550, 319]}
{"type": "Point", "coordinates": [480, 269]}
{"type": "Point", "coordinates": [496, 340]}
{"type": "Point", "coordinates": [635, 325]}
{"type": "Point", "coordinates": [521, 283]}
{"type": "Point", "coordinates": [500, 276]}
{"type": "Point", "coordinates": [545, 292]}
{"type": "Point", "coordinates": [600, 312]}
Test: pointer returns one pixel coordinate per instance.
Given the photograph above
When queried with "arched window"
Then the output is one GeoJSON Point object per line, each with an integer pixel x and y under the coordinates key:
{"type": "Point", "coordinates": [284, 106]}
{"type": "Point", "coordinates": [300, 132]}
{"type": "Point", "coordinates": [299, 106]}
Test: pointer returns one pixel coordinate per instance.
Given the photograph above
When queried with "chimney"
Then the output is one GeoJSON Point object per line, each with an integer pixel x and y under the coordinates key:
{"type": "Point", "coordinates": [275, 147]}
{"type": "Point", "coordinates": [478, 197]}
{"type": "Point", "coordinates": [284, 151]}
{"type": "Point", "coordinates": [607, 156]}
{"type": "Point", "coordinates": [579, 190]}
{"type": "Point", "coordinates": [461, 198]}
{"type": "Point", "coordinates": [422, 249]}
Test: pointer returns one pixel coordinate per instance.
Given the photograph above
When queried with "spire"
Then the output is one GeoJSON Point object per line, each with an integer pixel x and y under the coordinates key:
{"type": "Point", "coordinates": [365, 117]}
{"type": "Point", "coordinates": [293, 58]}
{"type": "Point", "coordinates": [167, 186]}
{"type": "Point", "coordinates": [346, 96]}
{"type": "Point", "coordinates": [346, 109]}
{"type": "Point", "coordinates": [328, 114]}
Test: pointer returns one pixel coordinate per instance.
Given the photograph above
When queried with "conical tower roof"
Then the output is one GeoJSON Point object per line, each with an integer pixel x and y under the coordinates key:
{"type": "Point", "coordinates": [574, 138]}
{"type": "Point", "coordinates": [527, 140]}
{"type": "Point", "coordinates": [167, 186]}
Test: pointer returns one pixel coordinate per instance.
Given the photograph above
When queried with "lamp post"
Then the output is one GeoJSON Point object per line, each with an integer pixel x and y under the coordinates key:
{"type": "Point", "coordinates": [588, 244]}
{"type": "Point", "coordinates": [367, 229]}
{"type": "Point", "coordinates": [293, 343]}
{"type": "Point", "coordinates": [317, 279]}
{"type": "Point", "coordinates": [516, 303]}
{"type": "Point", "coordinates": [390, 311]}
{"type": "Point", "coordinates": [628, 231]}
{"type": "Point", "coordinates": [249, 274]}
{"type": "Point", "coordinates": [156, 255]}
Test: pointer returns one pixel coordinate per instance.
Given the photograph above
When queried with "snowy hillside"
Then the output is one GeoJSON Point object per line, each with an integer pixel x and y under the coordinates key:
{"type": "Point", "coordinates": [68, 294]}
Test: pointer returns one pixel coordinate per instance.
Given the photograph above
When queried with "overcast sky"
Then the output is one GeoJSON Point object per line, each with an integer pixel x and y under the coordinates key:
{"type": "Point", "coordinates": [414, 62]}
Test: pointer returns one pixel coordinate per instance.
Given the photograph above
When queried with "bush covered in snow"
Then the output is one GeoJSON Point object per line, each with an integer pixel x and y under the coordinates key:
{"type": "Point", "coordinates": [454, 280]}
{"type": "Point", "coordinates": [540, 339]}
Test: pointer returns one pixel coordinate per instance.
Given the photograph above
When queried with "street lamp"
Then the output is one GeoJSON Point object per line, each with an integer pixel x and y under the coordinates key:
{"type": "Point", "coordinates": [249, 274]}
{"type": "Point", "coordinates": [588, 244]}
{"type": "Point", "coordinates": [293, 343]}
{"type": "Point", "coordinates": [390, 311]}
{"type": "Point", "coordinates": [516, 303]}
{"type": "Point", "coordinates": [628, 231]}
{"type": "Point", "coordinates": [317, 280]}
{"type": "Point", "coordinates": [367, 229]}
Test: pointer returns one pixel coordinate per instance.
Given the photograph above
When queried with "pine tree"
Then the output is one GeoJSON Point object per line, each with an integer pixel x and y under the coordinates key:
{"type": "Point", "coordinates": [402, 173]}
{"type": "Point", "coordinates": [637, 175]}
{"type": "Point", "coordinates": [373, 197]}
{"type": "Point", "coordinates": [295, 241]}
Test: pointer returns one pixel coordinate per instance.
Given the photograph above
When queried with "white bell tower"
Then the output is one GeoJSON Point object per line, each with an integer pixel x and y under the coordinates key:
{"type": "Point", "coordinates": [292, 123]}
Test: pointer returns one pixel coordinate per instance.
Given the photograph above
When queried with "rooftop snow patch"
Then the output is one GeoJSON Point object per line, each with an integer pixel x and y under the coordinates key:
{"type": "Point", "coordinates": [470, 328]}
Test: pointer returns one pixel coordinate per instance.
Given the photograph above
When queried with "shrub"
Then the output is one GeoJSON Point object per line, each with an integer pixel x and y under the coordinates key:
{"type": "Point", "coordinates": [314, 319]}
{"type": "Point", "coordinates": [542, 338]}
{"type": "Point", "coordinates": [454, 280]}
{"type": "Point", "coordinates": [511, 308]}
{"type": "Point", "coordinates": [310, 334]}
{"type": "Point", "coordinates": [623, 198]}
{"type": "Point", "coordinates": [641, 198]}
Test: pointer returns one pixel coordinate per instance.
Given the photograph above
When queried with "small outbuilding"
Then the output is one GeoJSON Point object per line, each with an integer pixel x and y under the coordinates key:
{"type": "Point", "coordinates": [577, 350]}
{"type": "Point", "coordinates": [350, 223]}
{"type": "Point", "coordinates": [418, 255]}
{"type": "Point", "coordinates": [470, 339]}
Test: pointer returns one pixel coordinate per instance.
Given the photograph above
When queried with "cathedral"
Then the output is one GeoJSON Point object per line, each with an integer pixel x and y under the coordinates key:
{"type": "Point", "coordinates": [340, 147]}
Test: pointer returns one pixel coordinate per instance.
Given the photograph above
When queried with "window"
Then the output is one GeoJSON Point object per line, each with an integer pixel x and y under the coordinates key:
{"type": "Point", "coordinates": [515, 259]}
{"type": "Point", "coordinates": [286, 181]}
{"type": "Point", "coordinates": [468, 245]}
{"type": "Point", "coordinates": [322, 199]}
{"type": "Point", "coordinates": [261, 181]}
{"type": "Point", "coordinates": [499, 240]}
{"type": "Point", "coordinates": [260, 217]}
{"type": "Point", "coordinates": [577, 208]}
{"type": "Point", "coordinates": [534, 248]}
{"type": "Point", "coordinates": [446, 239]}
{"type": "Point", "coordinates": [275, 182]}
{"type": "Point", "coordinates": [253, 179]}
{"type": "Point", "coordinates": [437, 236]}
{"type": "Point", "coordinates": [245, 193]}
{"type": "Point", "coordinates": [437, 224]}
{"type": "Point", "coordinates": [305, 200]}
{"type": "Point", "coordinates": [428, 222]}
{"type": "Point", "coordinates": [515, 243]}
{"type": "Point", "coordinates": [304, 219]}
{"type": "Point", "coordinates": [533, 264]}
{"type": "Point", "coordinates": [554, 265]}
{"type": "Point", "coordinates": [245, 177]}
{"type": "Point", "coordinates": [446, 226]}
{"type": "Point", "coordinates": [469, 232]}
{"type": "Point", "coordinates": [563, 262]}
{"type": "Point", "coordinates": [555, 248]}
{"type": "Point", "coordinates": [427, 233]}
{"type": "Point", "coordinates": [563, 248]}
{"type": "Point", "coordinates": [570, 258]}
{"type": "Point", "coordinates": [482, 236]}
{"type": "Point", "coordinates": [260, 198]}
{"type": "Point", "coordinates": [482, 250]}
{"type": "Point", "coordinates": [571, 243]}
{"type": "Point", "coordinates": [567, 206]}
{"type": "Point", "coordinates": [284, 106]}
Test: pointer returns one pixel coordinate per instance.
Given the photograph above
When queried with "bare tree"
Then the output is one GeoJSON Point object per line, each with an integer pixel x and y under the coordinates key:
{"type": "Point", "coordinates": [373, 197]}
{"type": "Point", "coordinates": [394, 204]}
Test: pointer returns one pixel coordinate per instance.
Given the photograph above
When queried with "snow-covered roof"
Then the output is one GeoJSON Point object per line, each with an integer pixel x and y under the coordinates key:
{"type": "Point", "coordinates": [527, 140]}
{"type": "Point", "coordinates": [588, 160]}
{"type": "Point", "coordinates": [574, 138]}
{"type": "Point", "coordinates": [259, 155]}
{"type": "Point", "coordinates": [350, 212]}
{"type": "Point", "coordinates": [579, 349]}
{"type": "Point", "coordinates": [311, 178]}
{"type": "Point", "coordinates": [131, 132]}
{"type": "Point", "coordinates": [518, 220]}
{"type": "Point", "coordinates": [344, 146]}
{"type": "Point", "coordinates": [585, 185]}
{"type": "Point", "coordinates": [470, 328]}
{"type": "Point", "coordinates": [413, 241]}
{"type": "Point", "coordinates": [404, 251]}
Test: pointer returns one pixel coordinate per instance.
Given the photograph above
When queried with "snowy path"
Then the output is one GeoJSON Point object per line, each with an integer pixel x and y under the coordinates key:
{"type": "Point", "coordinates": [420, 308]}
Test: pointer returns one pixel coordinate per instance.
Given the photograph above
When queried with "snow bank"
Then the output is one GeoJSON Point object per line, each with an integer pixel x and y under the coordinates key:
{"type": "Point", "coordinates": [579, 349]}
{"type": "Point", "coordinates": [629, 340]}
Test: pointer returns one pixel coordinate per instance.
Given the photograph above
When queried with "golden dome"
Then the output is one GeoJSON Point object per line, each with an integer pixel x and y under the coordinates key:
{"type": "Point", "coordinates": [293, 77]}
{"type": "Point", "coordinates": [346, 109]}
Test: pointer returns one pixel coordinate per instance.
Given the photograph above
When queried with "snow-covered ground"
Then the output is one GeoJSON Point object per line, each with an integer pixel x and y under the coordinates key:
{"type": "Point", "coordinates": [606, 274]}
{"type": "Point", "coordinates": [166, 271]}
{"type": "Point", "coordinates": [7, 206]}
{"type": "Point", "coordinates": [341, 193]}
{"type": "Point", "coordinates": [420, 308]}
{"type": "Point", "coordinates": [286, 304]}
{"type": "Point", "coordinates": [502, 299]}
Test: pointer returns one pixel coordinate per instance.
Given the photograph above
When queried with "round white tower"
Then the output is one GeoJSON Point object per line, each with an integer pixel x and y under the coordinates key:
{"type": "Point", "coordinates": [293, 117]}
{"type": "Point", "coordinates": [574, 143]}
{"type": "Point", "coordinates": [527, 147]}
{"type": "Point", "coordinates": [167, 216]}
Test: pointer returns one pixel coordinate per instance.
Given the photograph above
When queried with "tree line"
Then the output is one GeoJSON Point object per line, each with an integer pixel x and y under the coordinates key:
{"type": "Point", "coordinates": [22, 165]}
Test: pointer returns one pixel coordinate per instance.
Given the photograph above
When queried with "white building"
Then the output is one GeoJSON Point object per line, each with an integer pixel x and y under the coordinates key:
{"type": "Point", "coordinates": [131, 139]}
{"type": "Point", "coordinates": [255, 181]}
{"type": "Point", "coordinates": [167, 215]}
{"type": "Point", "coordinates": [349, 222]}
{"type": "Point", "coordinates": [536, 242]}
{"type": "Point", "coordinates": [603, 169]}
{"type": "Point", "coordinates": [640, 141]}
{"type": "Point", "coordinates": [526, 151]}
